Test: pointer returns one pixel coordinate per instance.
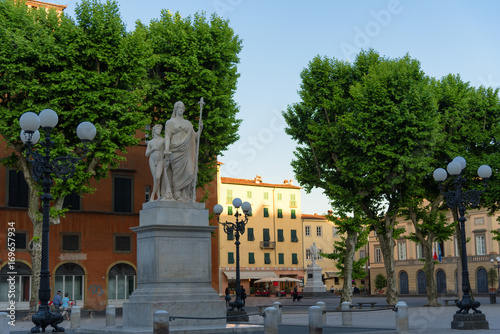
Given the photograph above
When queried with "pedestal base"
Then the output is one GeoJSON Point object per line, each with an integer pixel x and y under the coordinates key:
{"type": "Point", "coordinates": [173, 268]}
{"type": "Point", "coordinates": [239, 316]}
{"type": "Point", "coordinates": [314, 285]}
{"type": "Point", "coordinates": [470, 321]}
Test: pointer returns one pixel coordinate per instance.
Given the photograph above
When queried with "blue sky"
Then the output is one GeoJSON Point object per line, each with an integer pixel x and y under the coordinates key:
{"type": "Point", "coordinates": [281, 37]}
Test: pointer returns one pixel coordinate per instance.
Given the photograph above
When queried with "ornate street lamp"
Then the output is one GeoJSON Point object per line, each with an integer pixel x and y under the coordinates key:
{"type": "Point", "coordinates": [236, 229]}
{"type": "Point", "coordinates": [43, 167]}
{"type": "Point", "coordinates": [498, 269]}
{"type": "Point", "coordinates": [459, 199]}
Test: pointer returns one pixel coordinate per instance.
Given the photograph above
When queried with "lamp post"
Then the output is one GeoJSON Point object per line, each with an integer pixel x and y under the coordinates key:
{"type": "Point", "coordinates": [43, 167]}
{"type": "Point", "coordinates": [459, 199]}
{"type": "Point", "coordinates": [367, 270]}
{"type": "Point", "coordinates": [236, 229]}
{"type": "Point", "coordinates": [498, 269]}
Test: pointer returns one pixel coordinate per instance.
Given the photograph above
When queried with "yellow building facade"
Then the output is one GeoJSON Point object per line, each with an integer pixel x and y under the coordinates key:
{"type": "Point", "coordinates": [271, 245]}
{"type": "Point", "coordinates": [481, 248]}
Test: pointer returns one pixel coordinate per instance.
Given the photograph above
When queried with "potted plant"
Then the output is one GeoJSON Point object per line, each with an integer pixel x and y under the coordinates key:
{"type": "Point", "coordinates": [492, 279]}
{"type": "Point", "coordinates": [380, 283]}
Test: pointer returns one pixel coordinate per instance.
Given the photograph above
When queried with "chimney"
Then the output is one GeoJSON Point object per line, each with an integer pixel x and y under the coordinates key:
{"type": "Point", "coordinates": [258, 179]}
{"type": "Point", "coordinates": [291, 182]}
{"type": "Point", "coordinates": [285, 182]}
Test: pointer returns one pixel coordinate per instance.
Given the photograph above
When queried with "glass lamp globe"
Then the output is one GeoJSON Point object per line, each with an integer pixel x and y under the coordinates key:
{"type": "Point", "coordinates": [218, 209]}
{"type": "Point", "coordinates": [236, 202]}
{"type": "Point", "coordinates": [484, 172]}
{"type": "Point", "coordinates": [29, 121]}
{"type": "Point", "coordinates": [35, 137]}
{"type": "Point", "coordinates": [246, 207]}
{"type": "Point", "coordinates": [454, 168]}
{"type": "Point", "coordinates": [86, 131]}
{"type": "Point", "coordinates": [440, 174]}
{"type": "Point", "coordinates": [48, 118]}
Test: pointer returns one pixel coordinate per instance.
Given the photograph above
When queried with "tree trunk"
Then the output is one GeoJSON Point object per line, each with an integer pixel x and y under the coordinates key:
{"type": "Point", "coordinates": [35, 249]}
{"type": "Point", "coordinates": [429, 272]}
{"type": "Point", "coordinates": [387, 245]}
{"type": "Point", "coordinates": [350, 250]}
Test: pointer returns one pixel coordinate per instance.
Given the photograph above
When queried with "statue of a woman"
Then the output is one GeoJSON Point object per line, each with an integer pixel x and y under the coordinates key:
{"type": "Point", "coordinates": [154, 151]}
{"type": "Point", "coordinates": [181, 151]}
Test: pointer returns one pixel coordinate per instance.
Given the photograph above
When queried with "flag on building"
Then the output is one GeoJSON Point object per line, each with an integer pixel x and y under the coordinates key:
{"type": "Point", "coordinates": [434, 255]}
{"type": "Point", "coordinates": [439, 252]}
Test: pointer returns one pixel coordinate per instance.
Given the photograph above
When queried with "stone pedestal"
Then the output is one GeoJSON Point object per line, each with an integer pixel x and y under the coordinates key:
{"type": "Point", "coordinates": [470, 321]}
{"type": "Point", "coordinates": [174, 267]}
{"type": "Point", "coordinates": [314, 284]}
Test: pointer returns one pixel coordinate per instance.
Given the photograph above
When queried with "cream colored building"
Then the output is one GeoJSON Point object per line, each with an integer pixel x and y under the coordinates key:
{"type": "Point", "coordinates": [318, 229]}
{"type": "Point", "coordinates": [46, 5]}
{"type": "Point", "coordinates": [271, 245]}
{"type": "Point", "coordinates": [409, 269]}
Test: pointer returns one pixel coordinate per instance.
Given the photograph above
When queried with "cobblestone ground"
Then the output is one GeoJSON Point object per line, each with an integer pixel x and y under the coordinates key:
{"type": "Point", "coordinates": [422, 319]}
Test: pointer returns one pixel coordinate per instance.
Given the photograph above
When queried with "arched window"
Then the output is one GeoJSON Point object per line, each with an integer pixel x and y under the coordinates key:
{"type": "Point", "coordinates": [22, 280]}
{"type": "Point", "coordinates": [70, 278]}
{"type": "Point", "coordinates": [121, 283]}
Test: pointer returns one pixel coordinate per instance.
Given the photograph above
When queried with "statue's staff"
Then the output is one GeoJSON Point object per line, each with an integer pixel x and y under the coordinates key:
{"type": "Point", "coordinates": [201, 103]}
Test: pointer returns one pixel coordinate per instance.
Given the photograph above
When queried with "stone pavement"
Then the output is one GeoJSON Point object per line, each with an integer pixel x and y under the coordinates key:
{"type": "Point", "coordinates": [295, 317]}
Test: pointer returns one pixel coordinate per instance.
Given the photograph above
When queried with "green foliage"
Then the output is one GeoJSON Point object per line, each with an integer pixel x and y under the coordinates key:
{"type": "Point", "coordinates": [492, 277]}
{"type": "Point", "coordinates": [195, 57]}
{"type": "Point", "coordinates": [349, 225]}
{"type": "Point", "coordinates": [380, 282]}
{"type": "Point", "coordinates": [84, 70]}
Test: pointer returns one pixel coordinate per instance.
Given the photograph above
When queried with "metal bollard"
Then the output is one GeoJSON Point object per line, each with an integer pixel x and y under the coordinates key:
{"type": "Point", "coordinates": [346, 316]}
{"type": "Point", "coordinates": [110, 315]}
{"type": "Point", "coordinates": [161, 322]}
{"type": "Point", "coordinates": [278, 306]}
{"type": "Point", "coordinates": [315, 320]}
{"type": "Point", "coordinates": [4, 323]}
{"type": "Point", "coordinates": [76, 315]}
{"type": "Point", "coordinates": [322, 305]}
{"type": "Point", "coordinates": [402, 323]}
{"type": "Point", "coordinates": [270, 320]}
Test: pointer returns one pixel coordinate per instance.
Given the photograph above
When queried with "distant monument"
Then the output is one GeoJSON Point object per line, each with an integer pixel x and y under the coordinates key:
{"type": "Point", "coordinates": [314, 283]}
{"type": "Point", "coordinates": [174, 237]}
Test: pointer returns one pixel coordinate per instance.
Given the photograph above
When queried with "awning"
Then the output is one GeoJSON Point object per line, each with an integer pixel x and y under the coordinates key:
{"type": "Point", "coordinates": [332, 273]}
{"type": "Point", "coordinates": [250, 274]}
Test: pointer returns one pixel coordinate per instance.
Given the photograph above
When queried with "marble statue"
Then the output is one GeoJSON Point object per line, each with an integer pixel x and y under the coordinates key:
{"type": "Point", "coordinates": [173, 160]}
{"type": "Point", "coordinates": [314, 251]}
{"type": "Point", "coordinates": [154, 151]}
{"type": "Point", "coordinates": [181, 151]}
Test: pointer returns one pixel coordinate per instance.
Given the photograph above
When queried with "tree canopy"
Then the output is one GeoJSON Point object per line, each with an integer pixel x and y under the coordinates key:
{"type": "Point", "coordinates": [91, 69]}
{"type": "Point", "coordinates": [370, 134]}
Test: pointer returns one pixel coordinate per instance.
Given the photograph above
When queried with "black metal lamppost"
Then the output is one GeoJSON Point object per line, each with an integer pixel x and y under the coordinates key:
{"type": "Point", "coordinates": [236, 229]}
{"type": "Point", "coordinates": [460, 199]}
{"type": "Point", "coordinates": [43, 167]}
{"type": "Point", "coordinates": [498, 269]}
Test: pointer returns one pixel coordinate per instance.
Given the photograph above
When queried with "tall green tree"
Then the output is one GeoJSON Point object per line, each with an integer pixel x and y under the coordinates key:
{"type": "Point", "coordinates": [90, 69]}
{"type": "Point", "coordinates": [353, 233]}
{"type": "Point", "coordinates": [468, 119]}
{"type": "Point", "coordinates": [365, 136]}
{"type": "Point", "coordinates": [195, 57]}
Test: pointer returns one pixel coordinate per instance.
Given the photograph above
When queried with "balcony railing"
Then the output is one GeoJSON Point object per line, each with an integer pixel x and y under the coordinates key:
{"type": "Point", "coordinates": [445, 259]}
{"type": "Point", "coordinates": [267, 244]}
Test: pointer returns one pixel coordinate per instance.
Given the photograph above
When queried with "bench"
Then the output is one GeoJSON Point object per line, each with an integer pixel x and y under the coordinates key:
{"type": "Point", "coordinates": [446, 300]}
{"type": "Point", "coordinates": [366, 303]}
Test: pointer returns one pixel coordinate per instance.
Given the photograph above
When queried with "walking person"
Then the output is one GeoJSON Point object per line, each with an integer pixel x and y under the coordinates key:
{"type": "Point", "coordinates": [228, 297]}
{"type": "Point", "coordinates": [294, 293]}
{"type": "Point", "coordinates": [57, 301]}
{"type": "Point", "coordinates": [243, 294]}
{"type": "Point", "coordinates": [66, 307]}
